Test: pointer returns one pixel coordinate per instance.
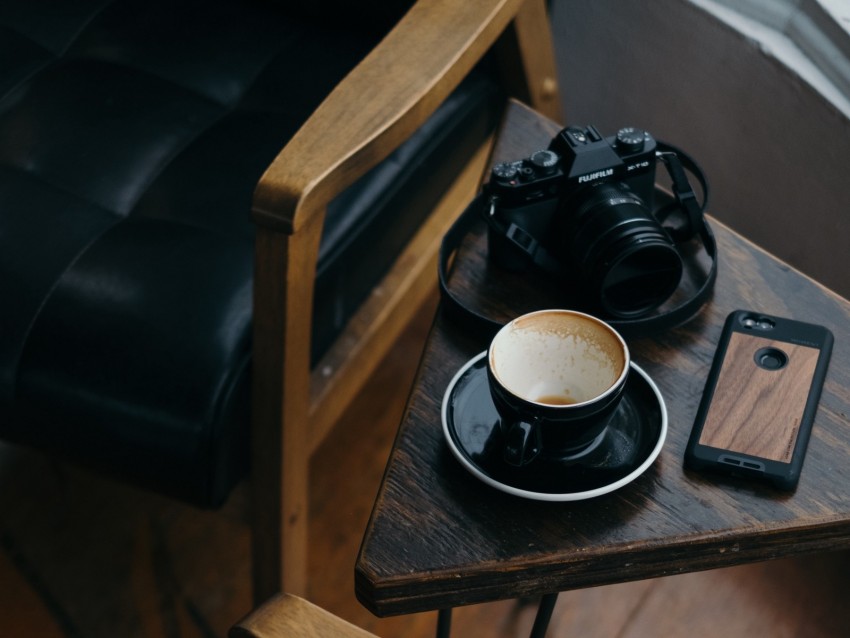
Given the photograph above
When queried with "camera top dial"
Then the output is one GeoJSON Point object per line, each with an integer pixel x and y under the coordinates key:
{"type": "Point", "coordinates": [505, 171]}
{"type": "Point", "coordinates": [630, 139]}
{"type": "Point", "coordinates": [546, 162]}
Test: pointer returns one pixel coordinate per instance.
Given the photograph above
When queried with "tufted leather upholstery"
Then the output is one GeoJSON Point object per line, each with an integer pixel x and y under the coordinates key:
{"type": "Point", "coordinates": [132, 134]}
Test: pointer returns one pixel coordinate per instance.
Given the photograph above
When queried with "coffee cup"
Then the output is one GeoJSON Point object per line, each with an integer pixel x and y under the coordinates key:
{"type": "Point", "coordinates": [556, 378]}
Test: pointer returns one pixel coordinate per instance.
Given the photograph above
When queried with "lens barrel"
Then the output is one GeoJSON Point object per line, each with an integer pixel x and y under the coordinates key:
{"type": "Point", "coordinates": [627, 261]}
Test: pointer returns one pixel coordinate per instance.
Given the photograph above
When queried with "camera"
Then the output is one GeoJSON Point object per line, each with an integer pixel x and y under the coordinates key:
{"type": "Point", "coordinates": [583, 209]}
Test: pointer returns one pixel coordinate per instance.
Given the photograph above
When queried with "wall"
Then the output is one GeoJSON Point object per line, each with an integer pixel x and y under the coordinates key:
{"type": "Point", "coordinates": [776, 153]}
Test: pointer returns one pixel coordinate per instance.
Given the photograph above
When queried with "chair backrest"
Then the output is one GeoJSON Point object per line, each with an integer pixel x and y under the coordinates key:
{"type": "Point", "coordinates": [132, 137]}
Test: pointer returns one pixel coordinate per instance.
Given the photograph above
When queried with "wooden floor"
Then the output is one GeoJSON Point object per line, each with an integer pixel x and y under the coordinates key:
{"type": "Point", "coordinates": [85, 557]}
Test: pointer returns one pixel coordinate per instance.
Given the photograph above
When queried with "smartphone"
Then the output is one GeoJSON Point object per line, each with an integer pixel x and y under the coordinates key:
{"type": "Point", "coordinates": [760, 399]}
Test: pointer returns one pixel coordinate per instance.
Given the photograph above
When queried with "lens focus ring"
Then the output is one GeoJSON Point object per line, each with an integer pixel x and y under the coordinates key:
{"type": "Point", "coordinates": [627, 261]}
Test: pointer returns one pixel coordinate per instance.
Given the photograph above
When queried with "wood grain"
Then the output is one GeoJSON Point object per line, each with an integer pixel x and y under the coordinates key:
{"type": "Point", "coordinates": [439, 538]}
{"type": "Point", "coordinates": [284, 274]}
{"type": "Point", "coordinates": [286, 615]}
{"type": "Point", "coordinates": [756, 411]}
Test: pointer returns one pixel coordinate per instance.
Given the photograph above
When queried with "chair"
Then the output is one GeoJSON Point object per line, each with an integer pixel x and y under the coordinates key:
{"type": "Point", "coordinates": [293, 617]}
{"type": "Point", "coordinates": [131, 343]}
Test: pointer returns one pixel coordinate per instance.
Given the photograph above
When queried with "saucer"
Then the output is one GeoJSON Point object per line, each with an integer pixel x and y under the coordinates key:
{"type": "Point", "coordinates": [627, 447]}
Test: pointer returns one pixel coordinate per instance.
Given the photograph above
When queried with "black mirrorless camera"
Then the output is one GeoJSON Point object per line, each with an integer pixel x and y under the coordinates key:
{"type": "Point", "coordinates": [584, 208]}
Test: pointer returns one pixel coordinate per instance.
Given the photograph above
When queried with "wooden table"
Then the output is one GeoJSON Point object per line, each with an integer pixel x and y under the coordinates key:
{"type": "Point", "coordinates": [440, 538]}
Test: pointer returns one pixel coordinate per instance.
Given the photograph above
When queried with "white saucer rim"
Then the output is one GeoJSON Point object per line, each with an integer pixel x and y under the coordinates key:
{"type": "Point", "coordinates": [545, 496]}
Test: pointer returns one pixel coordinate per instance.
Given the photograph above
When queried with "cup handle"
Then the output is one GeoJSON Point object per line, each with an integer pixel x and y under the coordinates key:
{"type": "Point", "coordinates": [522, 443]}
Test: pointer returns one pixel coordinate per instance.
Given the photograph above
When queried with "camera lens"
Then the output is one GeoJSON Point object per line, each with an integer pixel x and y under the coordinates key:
{"type": "Point", "coordinates": [758, 323]}
{"type": "Point", "coordinates": [624, 256]}
{"type": "Point", "coordinates": [770, 358]}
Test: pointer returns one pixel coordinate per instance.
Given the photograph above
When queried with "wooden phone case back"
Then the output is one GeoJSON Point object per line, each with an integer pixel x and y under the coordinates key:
{"type": "Point", "coordinates": [754, 410]}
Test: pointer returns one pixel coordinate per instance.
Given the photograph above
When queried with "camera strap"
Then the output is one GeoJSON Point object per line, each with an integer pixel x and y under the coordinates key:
{"type": "Point", "coordinates": [691, 224]}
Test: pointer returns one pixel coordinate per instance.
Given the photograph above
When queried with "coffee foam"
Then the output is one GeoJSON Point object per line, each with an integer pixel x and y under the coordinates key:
{"type": "Point", "coordinates": [558, 354]}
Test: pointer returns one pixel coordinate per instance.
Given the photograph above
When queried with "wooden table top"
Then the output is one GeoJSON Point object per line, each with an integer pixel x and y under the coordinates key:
{"type": "Point", "coordinates": [441, 538]}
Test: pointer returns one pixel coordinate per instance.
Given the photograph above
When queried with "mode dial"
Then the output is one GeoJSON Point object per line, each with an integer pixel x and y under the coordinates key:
{"type": "Point", "coordinates": [631, 140]}
{"type": "Point", "coordinates": [505, 171]}
{"type": "Point", "coordinates": [545, 161]}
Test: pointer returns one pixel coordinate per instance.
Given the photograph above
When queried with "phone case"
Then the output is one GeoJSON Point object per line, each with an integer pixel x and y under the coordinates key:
{"type": "Point", "coordinates": [760, 399]}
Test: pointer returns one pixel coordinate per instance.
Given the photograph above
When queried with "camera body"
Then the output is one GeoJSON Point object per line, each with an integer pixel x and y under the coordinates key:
{"type": "Point", "coordinates": [587, 201]}
{"type": "Point", "coordinates": [531, 188]}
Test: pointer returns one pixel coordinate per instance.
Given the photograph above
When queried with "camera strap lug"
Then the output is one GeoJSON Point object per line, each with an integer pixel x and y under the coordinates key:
{"type": "Point", "coordinates": [686, 199]}
{"type": "Point", "coordinates": [532, 248]}
{"type": "Point", "coordinates": [524, 241]}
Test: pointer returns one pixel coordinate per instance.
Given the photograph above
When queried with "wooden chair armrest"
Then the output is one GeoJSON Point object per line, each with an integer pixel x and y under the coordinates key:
{"type": "Point", "coordinates": [410, 73]}
{"type": "Point", "coordinates": [414, 69]}
{"type": "Point", "coordinates": [289, 616]}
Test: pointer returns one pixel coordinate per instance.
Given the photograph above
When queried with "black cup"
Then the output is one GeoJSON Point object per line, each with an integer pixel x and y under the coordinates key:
{"type": "Point", "coordinates": [556, 378]}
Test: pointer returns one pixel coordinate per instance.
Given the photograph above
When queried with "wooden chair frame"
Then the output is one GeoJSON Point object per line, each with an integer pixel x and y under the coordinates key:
{"type": "Point", "coordinates": [292, 616]}
{"type": "Point", "coordinates": [415, 68]}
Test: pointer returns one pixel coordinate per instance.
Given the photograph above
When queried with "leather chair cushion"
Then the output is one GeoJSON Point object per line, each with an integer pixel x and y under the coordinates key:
{"type": "Point", "coordinates": [132, 134]}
